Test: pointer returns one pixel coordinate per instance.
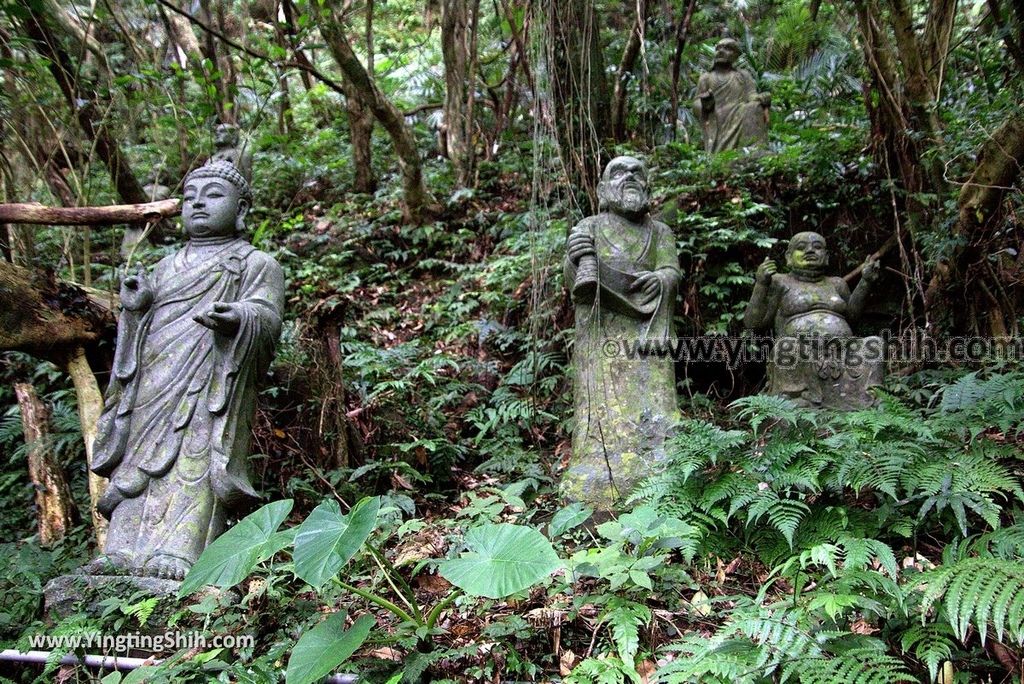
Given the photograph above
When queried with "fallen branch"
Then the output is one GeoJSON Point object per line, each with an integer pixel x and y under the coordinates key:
{"type": "Point", "coordinates": [89, 216]}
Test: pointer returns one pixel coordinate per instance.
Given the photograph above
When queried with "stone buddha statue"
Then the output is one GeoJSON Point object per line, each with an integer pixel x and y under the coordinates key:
{"type": "Point", "coordinates": [194, 338]}
{"type": "Point", "coordinates": [816, 360]}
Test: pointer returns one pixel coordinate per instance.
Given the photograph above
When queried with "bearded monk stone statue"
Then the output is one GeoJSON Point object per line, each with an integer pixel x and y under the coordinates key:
{"type": "Point", "coordinates": [731, 112]}
{"type": "Point", "coordinates": [624, 273]}
{"type": "Point", "coordinates": [194, 339]}
{"type": "Point", "coordinates": [816, 361]}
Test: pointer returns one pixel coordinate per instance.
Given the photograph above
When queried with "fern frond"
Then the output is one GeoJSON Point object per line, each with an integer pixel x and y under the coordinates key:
{"type": "Point", "coordinates": [982, 592]}
{"type": "Point", "coordinates": [625, 618]}
{"type": "Point", "coordinates": [1007, 543]}
{"type": "Point", "coordinates": [738, 489]}
{"type": "Point", "coordinates": [856, 666]}
{"type": "Point", "coordinates": [783, 514]}
{"type": "Point", "coordinates": [860, 552]}
{"type": "Point", "coordinates": [712, 661]}
{"type": "Point", "coordinates": [758, 408]}
{"type": "Point", "coordinates": [779, 636]}
{"type": "Point", "coordinates": [931, 644]}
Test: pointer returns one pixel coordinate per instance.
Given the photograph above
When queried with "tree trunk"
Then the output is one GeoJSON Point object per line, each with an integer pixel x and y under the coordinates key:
{"type": "Point", "coordinates": [285, 121]}
{"type": "Point", "coordinates": [891, 123]}
{"type": "Point", "coordinates": [970, 290]}
{"type": "Point", "coordinates": [579, 86]}
{"type": "Point", "coordinates": [80, 36]}
{"type": "Point", "coordinates": [54, 506]}
{"type": "Point", "coordinates": [224, 83]}
{"type": "Point", "coordinates": [83, 102]}
{"type": "Point", "coordinates": [321, 109]}
{"type": "Point", "coordinates": [920, 59]}
{"type": "Point", "coordinates": [360, 131]}
{"type": "Point", "coordinates": [20, 240]}
{"type": "Point", "coordinates": [682, 33]}
{"type": "Point", "coordinates": [458, 20]}
{"type": "Point", "coordinates": [1014, 43]}
{"type": "Point", "coordinates": [999, 165]}
{"type": "Point", "coordinates": [419, 204]}
{"type": "Point", "coordinates": [626, 65]}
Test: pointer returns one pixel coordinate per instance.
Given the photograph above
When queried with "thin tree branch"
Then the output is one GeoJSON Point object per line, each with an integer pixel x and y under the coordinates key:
{"type": "Point", "coordinates": [309, 68]}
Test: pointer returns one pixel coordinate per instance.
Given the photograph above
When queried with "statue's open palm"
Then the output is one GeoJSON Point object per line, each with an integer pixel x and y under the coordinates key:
{"type": "Point", "coordinates": [223, 318]}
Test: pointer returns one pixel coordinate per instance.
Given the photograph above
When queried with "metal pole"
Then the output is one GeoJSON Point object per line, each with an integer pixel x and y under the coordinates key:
{"type": "Point", "coordinates": [117, 663]}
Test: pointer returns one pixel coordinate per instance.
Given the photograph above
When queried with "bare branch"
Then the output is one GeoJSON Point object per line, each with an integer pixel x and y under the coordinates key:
{"type": "Point", "coordinates": [307, 67]}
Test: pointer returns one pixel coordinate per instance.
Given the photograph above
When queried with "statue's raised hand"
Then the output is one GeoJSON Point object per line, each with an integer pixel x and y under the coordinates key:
{"type": "Point", "coordinates": [223, 318]}
{"type": "Point", "coordinates": [872, 269]}
{"type": "Point", "coordinates": [648, 284]}
{"type": "Point", "coordinates": [765, 271]}
{"type": "Point", "coordinates": [578, 246]}
{"type": "Point", "coordinates": [136, 294]}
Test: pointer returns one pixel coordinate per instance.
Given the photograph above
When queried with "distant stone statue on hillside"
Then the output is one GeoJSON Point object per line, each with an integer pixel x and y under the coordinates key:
{"type": "Point", "coordinates": [731, 112]}
{"type": "Point", "coordinates": [194, 339]}
{"type": "Point", "coordinates": [624, 273]}
{"type": "Point", "coordinates": [229, 148]}
{"type": "Point", "coordinates": [155, 190]}
{"type": "Point", "coordinates": [816, 361]}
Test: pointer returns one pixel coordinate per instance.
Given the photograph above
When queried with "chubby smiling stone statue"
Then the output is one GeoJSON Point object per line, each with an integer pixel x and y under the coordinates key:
{"type": "Point", "coordinates": [194, 338]}
{"type": "Point", "coordinates": [816, 360]}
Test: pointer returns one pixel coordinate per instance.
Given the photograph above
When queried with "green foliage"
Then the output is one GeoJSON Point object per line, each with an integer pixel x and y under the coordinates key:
{"type": "Point", "coordinates": [233, 555]}
{"type": "Point", "coordinates": [567, 518]}
{"type": "Point", "coordinates": [327, 540]}
{"type": "Point", "coordinates": [502, 560]}
{"type": "Point", "coordinates": [828, 502]}
{"type": "Point", "coordinates": [777, 544]}
{"type": "Point", "coordinates": [753, 648]}
{"type": "Point", "coordinates": [931, 643]}
{"type": "Point", "coordinates": [980, 592]}
{"type": "Point", "coordinates": [323, 648]}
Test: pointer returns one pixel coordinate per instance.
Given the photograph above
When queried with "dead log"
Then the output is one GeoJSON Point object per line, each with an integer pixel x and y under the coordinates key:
{"type": "Point", "coordinates": [54, 320]}
{"type": "Point", "coordinates": [90, 406]}
{"type": "Point", "coordinates": [46, 317]}
{"type": "Point", "coordinates": [89, 216]}
{"type": "Point", "coordinates": [54, 505]}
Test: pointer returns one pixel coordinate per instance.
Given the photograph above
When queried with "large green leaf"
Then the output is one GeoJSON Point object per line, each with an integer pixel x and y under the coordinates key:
{"type": "Point", "coordinates": [572, 516]}
{"type": "Point", "coordinates": [234, 554]}
{"type": "Point", "coordinates": [326, 540]}
{"type": "Point", "coordinates": [324, 647]}
{"type": "Point", "coordinates": [502, 560]}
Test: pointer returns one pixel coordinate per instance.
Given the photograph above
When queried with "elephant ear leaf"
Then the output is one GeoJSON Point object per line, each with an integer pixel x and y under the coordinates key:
{"type": "Point", "coordinates": [234, 554]}
{"type": "Point", "coordinates": [325, 647]}
{"type": "Point", "coordinates": [502, 560]}
{"type": "Point", "coordinates": [326, 540]}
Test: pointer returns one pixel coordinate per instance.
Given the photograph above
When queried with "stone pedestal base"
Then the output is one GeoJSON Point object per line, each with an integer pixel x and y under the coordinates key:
{"type": "Point", "coordinates": [70, 593]}
{"type": "Point", "coordinates": [836, 373]}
